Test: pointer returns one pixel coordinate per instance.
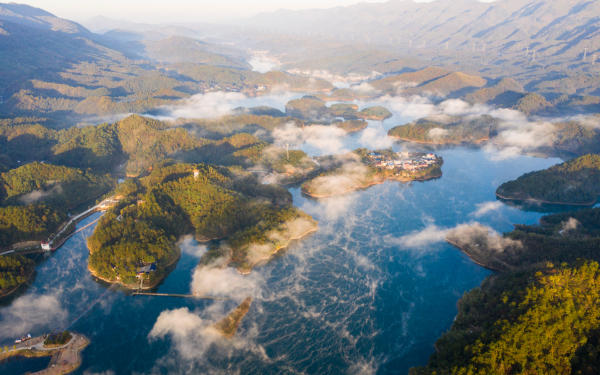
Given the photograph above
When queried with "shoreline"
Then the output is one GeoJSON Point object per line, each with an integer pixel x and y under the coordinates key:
{"type": "Point", "coordinates": [65, 358]}
{"type": "Point", "coordinates": [371, 184]}
{"type": "Point", "coordinates": [440, 143]}
{"type": "Point", "coordinates": [15, 288]}
{"type": "Point", "coordinates": [276, 251]}
{"type": "Point", "coordinates": [471, 256]}
{"type": "Point", "coordinates": [118, 281]}
{"type": "Point", "coordinates": [354, 130]}
{"type": "Point", "coordinates": [486, 266]}
{"type": "Point", "coordinates": [547, 202]}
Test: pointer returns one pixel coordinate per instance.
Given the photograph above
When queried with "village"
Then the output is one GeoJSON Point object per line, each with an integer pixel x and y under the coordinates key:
{"type": "Point", "coordinates": [403, 162]}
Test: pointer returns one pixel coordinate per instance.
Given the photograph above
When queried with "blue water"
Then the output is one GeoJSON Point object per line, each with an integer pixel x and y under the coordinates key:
{"type": "Point", "coordinates": [21, 365]}
{"type": "Point", "coordinates": [354, 297]}
{"type": "Point", "coordinates": [368, 293]}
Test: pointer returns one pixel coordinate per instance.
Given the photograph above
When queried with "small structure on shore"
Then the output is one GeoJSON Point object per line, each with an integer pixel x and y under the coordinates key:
{"type": "Point", "coordinates": [146, 269]}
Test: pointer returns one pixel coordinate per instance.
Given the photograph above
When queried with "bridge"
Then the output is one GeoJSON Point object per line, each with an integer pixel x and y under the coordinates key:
{"type": "Point", "coordinates": [179, 295]}
{"type": "Point", "coordinates": [51, 245]}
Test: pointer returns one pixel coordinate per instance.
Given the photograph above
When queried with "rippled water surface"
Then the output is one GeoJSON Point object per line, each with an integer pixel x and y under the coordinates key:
{"type": "Point", "coordinates": [369, 292]}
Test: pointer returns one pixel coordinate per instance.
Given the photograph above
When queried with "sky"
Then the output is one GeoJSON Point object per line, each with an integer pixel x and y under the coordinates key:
{"type": "Point", "coordinates": [158, 11]}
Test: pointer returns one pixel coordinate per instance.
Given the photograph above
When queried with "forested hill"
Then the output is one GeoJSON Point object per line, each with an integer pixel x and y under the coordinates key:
{"type": "Point", "coordinates": [37, 197]}
{"type": "Point", "coordinates": [540, 313]}
{"type": "Point", "coordinates": [133, 145]}
{"type": "Point", "coordinates": [449, 129]}
{"type": "Point", "coordinates": [576, 181]}
{"type": "Point", "coordinates": [52, 67]}
{"type": "Point", "coordinates": [57, 186]}
{"type": "Point", "coordinates": [155, 211]}
{"type": "Point", "coordinates": [530, 322]}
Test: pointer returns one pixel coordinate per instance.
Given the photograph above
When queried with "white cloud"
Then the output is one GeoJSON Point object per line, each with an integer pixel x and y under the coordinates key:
{"type": "Point", "coordinates": [30, 312]}
{"type": "Point", "coordinates": [364, 88]}
{"type": "Point", "coordinates": [261, 64]}
{"type": "Point", "coordinates": [327, 139]}
{"type": "Point", "coordinates": [420, 238]}
{"type": "Point", "coordinates": [209, 105]}
{"type": "Point", "coordinates": [437, 133]}
{"type": "Point", "coordinates": [188, 245]}
{"type": "Point", "coordinates": [487, 207]}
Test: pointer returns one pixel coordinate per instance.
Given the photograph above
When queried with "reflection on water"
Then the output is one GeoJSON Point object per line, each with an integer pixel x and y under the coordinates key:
{"type": "Point", "coordinates": [348, 299]}
{"type": "Point", "coordinates": [21, 365]}
{"type": "Point", "coordinates": [543, 208]}
{"type": "Point", "coordinates": [354, 297]}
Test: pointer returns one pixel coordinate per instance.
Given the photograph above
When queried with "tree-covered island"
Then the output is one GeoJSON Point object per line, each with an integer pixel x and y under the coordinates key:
{"type": "Point", "coordinates": [313, 108]}
{"type": "Point", "coordinates": [446, 129]}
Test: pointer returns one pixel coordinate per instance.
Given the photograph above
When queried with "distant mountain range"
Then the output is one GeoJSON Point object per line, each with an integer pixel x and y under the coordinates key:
{"type": "Point", "coordinates": [36, 44]}
{"type": "Point", "coordinates": [552, 27]}
{"type": "Point", "coordinates": [29, 16]}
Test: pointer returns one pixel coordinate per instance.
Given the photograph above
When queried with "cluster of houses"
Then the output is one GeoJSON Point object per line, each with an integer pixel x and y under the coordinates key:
{"type": "Point", "coordinates": [403, 161]}
{"type": "Point", "coordinates": [248, 89]}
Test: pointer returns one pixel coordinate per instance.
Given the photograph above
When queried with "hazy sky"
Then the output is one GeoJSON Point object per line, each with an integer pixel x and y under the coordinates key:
{"type": "Point", "coordinates": [155, 11]}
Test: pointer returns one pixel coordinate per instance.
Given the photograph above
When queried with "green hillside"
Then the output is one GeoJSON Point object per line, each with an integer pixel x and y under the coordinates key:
{"type": "Point", "coordinates": [541, 321]}
{"type": "Point", "coordinates": [56, 186]}
{"type": "Point", "coordinates": [429, 81]}
{"type": "Point", "coordinates": [576, 181]}
{"type": "Point", "coordinates": [144, 226]}
{"type": "Point", "coordinates": [450, 129]}
{"type": "Point", "coordinates": [538, 313]}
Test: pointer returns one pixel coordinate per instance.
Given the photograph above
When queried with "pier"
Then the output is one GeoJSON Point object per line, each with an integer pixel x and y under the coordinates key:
{"type": "Point", "coordinates": [179, 296]}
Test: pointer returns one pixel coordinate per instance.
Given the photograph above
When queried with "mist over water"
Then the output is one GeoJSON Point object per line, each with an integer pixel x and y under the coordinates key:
{"type": "Point", "coordinates": [369, 292]}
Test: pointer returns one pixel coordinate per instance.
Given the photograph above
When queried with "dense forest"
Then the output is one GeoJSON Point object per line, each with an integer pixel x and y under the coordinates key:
{"type": "Point", "coordinates": [14, 270]}
{"type": "Point", "coordinates": [576, 181]}
{"type": "Point", "coordinates": [145, 225]}
{"type": "Point", "coordinates": [455, 129]}
{"type": "Point", "coordinates": [540, 313]}
{"type": "Point", "coordinates": [133, 145]}
{"type": "Point", "coordinates": [56, 186]}
{"type": "Point", "coordinates": [26, 223]}
{"type": "Point", "coordinates": [538, 321]}
{"type": "Point", "coordinates": [352, 125]}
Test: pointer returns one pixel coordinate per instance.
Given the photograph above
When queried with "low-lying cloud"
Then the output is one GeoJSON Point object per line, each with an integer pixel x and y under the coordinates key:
{"type": "Point", "coordinates": [30, 313]}
{"type": "Point", "coordinates": [325, 139]}
{"type": "Point", "coordinates": [37, 195]}
{"type": "Point", "coordinates": [420, 238]}
{"type": "Point", "coordinates": [570, 224]}
{"type": "Point", "coordinates": [486, 208]}
{"type": "Point", "coordinates": [476, 235]}
{"type": "Point", "coordinates": [209, 105]}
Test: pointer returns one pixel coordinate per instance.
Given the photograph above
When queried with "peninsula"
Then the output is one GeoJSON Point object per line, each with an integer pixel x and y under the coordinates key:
{"type": "Point", "coordinates": [135, 241]}
{"type": "Point", "coordinates": [362, 168]}
{"type": "Point", "coordinates": [227, 326]}
{"type": "Point", "coordinates": [575, 182]}
{"type": "Point", "coordinates": [66, 354]}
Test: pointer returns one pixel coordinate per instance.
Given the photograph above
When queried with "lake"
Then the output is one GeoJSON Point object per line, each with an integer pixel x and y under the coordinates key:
{"type": "Point", "coordinates": [368, 293]}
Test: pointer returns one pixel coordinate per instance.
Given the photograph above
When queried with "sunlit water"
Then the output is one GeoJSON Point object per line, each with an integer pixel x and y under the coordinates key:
{"type": "Point", "coordinates": [357, 296]}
